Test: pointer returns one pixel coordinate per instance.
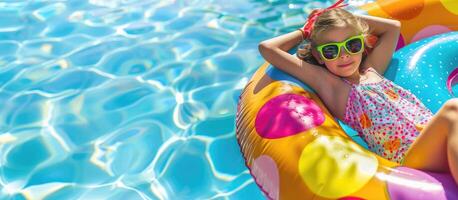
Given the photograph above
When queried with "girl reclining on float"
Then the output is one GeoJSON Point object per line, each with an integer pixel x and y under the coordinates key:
{"type": "Point", "coordinates": [390, 119]}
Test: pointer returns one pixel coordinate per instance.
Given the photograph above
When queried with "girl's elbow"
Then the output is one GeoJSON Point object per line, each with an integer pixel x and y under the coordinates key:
{"type": "Point", "coordinates": [264, 48]}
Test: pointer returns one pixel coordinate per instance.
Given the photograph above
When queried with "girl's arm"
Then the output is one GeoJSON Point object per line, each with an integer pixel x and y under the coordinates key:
{"type": "Point", "coordinates": [284, 42]}
{"type": "Point", "coordinates": [325, 84]}
{"type": "Point", "coordinates": [379, 25]}
{"type": "Point", "coordinates": [387, 31]}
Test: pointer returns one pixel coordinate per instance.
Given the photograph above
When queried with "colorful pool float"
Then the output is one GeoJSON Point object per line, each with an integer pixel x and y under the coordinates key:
{"type": "Point", "coordinates": [295, 149]}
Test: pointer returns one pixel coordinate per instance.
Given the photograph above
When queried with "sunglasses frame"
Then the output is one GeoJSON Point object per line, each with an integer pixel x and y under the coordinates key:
{"type": "Point", "coordinates": [339, 45]}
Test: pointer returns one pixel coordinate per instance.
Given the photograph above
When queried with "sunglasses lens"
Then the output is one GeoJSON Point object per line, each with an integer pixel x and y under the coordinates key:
{"type": "Point", "coordinates": [330, 51]}
{"type": "Point", "coordinates": [354, 45]}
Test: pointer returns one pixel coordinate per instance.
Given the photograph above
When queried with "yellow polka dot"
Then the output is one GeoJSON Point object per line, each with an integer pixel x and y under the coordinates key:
{"type": "Point", "coordinates": [333, 167]}
{"type": "Point", "coordinates": [451, 6]}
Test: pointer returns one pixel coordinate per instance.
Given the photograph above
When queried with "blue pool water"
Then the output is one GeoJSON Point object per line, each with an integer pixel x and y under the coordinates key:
{"type": "Point", "coordinates": [130, 99]}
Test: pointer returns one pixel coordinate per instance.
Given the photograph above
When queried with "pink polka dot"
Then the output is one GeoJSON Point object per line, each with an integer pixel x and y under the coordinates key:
{"type": "Point", "coordinates": [398, 190]}
{"type": "Point", "coordinates": [286, 115]}
{"type": "Point", "coordinates": [430, 31]}
{"type": "Point", "coordinates": [265, 172]}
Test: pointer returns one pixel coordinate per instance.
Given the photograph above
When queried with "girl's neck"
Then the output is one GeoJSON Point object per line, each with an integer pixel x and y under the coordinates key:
{"type": "Point", "coordinates": [356, 78]}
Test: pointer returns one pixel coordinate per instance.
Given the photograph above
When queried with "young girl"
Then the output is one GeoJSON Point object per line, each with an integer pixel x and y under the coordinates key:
{"type": "Point", "coordinates": [348, 79]}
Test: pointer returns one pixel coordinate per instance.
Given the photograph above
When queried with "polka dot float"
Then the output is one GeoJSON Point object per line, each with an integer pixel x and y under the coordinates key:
{"type": "Point", "coordinates": [401, 42]}
{"type": "Point", "coordinates": [452, 80]}
{"type": "Point", "coordinates": [422, 67]}
{"type": "Point", "coordinates": [266, 172]}
{"type": "Point", "coordinates": [404, 183]}
{"type": "Point", "coordinates": [286, 115]}
{"type": "Point", "coordinates": [451, 6]}
{"type": "Point", "coordinates": [333, 167]}
{"type": "Point", "coordinates": [351, 198]}
{"type": "Point", "coordinates": [430, 31]}
{"type": "Point", "coordinates": [402, 11]}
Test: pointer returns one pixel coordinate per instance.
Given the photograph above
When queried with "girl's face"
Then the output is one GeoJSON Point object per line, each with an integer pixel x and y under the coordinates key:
{"type": "Point", "coordinates": [345, 64]}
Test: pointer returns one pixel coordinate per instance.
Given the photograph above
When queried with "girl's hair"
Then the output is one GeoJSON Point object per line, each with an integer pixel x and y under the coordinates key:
{"type": "Point", "coordinates": [334, 18]}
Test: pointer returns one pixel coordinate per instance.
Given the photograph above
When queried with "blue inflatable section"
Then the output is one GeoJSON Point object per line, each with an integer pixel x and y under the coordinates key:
{"type": "Point", "coordinates": [421, 67]}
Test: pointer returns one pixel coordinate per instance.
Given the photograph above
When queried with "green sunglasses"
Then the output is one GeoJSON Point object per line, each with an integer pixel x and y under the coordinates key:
{"type": "Point", "coordinates": [353, 45]}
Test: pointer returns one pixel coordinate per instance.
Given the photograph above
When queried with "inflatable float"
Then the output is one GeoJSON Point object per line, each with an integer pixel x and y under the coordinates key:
{"type": "Point", "coordinates": [295, 149]}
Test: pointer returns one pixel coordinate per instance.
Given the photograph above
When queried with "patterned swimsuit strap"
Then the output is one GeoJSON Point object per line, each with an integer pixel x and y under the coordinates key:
{"type": "Point", "coordinates": [372, 69]}
{"type": "Point", "coordinates": [346, 81]}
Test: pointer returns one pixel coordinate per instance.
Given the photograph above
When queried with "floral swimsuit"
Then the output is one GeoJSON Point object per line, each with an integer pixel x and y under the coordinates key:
{"type": "Point", "coordinates": [386, 116]}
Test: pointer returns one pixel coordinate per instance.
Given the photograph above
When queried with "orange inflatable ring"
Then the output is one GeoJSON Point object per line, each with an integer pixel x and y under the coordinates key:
{"type": "Point", "coordinates": [295, 149]}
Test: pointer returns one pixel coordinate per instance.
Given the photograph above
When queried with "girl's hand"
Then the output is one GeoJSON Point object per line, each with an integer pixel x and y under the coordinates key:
{"type": "Point", "coordinates": [304, 49]}
{"type": "Point", "coordinates": [370, 41]}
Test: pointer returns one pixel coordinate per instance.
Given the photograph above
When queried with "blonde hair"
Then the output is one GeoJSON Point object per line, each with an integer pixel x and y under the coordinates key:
{"type": "Point", "coordinates": [334, 18]}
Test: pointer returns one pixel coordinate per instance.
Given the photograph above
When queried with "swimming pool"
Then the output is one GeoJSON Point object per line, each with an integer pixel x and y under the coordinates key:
{"type": "Point", "coordinates": [130, 99]}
